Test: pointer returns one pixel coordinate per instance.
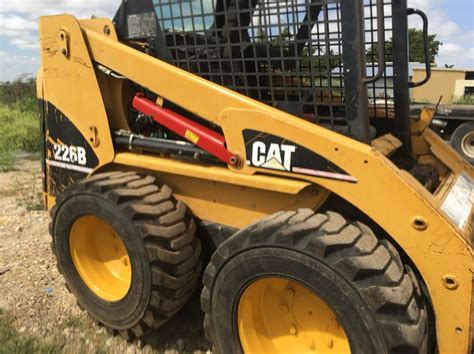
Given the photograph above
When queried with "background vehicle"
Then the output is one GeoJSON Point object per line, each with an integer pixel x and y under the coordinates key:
{"type": "Point", "coordinates": [450, 91]}
{"type": "Point", "coordinates": [455, 123]}
{"type": "Point", "coordinates": [340, 235]}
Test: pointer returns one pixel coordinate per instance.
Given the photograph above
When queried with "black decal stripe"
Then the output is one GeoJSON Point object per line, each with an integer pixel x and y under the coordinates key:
{"type": "Point", "coordinates": [303, 160]}
{"type": "Point", "coordinates": [60, 130]}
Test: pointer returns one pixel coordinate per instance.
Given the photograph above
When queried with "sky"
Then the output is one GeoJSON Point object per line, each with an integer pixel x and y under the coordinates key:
{"type": "Point", "coordinates": [451, 20]}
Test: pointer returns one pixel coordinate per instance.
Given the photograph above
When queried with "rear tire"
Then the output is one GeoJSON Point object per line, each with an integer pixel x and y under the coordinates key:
{"type": "Point", "coordinates": [375, 297]}
{"type": "Point", "coordinates": [462, 141]}
{"type": "Point", "coordinates": [158, 234]}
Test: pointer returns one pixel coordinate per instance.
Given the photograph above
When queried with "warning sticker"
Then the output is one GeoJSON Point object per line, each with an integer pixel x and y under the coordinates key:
{"type": "Point", "coordinates": [458, 203]}
{"type": "Point", "coordinates": [142, 25]}
{"type": "Point", "coordinates": [191, 136]}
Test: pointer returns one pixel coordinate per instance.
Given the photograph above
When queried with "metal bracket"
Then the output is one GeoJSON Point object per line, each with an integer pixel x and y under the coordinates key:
{"type": "Point", "coordinates": [63, 42]}
{"type": "Point", "coordinates": [93, 136]}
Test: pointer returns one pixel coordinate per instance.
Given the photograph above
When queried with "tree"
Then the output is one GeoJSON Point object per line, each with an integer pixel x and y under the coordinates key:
{"type": "Point", "coordinates": [319, 61]}
{"type": "Point", "coordinates": [261, 35]}
{"type": "Point", "coordinates": [283, 39]}
{"type": "Point", "coordinates": [416, 47]}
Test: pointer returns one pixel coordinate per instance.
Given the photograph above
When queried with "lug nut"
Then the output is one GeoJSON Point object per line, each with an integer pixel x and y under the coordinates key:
{"type": "Point", "coordinates": [285, 308]}
{"type": "Point", "coordinates": [293, 330]}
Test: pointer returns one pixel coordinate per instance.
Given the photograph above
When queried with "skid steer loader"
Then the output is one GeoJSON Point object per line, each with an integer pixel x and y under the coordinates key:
{"type": "Point", "coordinates": [231, 142]}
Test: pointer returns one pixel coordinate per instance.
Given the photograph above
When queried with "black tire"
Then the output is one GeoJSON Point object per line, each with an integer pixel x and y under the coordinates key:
{"type": "Point", "coordinates": [159, 235]}
{"type": "Point", "coordinates": [376, 298]}
{"type": "Point", "coordinates": [463, 139]}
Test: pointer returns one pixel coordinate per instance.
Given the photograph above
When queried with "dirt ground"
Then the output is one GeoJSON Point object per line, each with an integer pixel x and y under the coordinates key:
{"type": "Point", "coordinates": [33, 293]}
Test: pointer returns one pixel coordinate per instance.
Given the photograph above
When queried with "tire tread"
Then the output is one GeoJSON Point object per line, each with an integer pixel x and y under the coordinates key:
{"type": "Point", "coordinates": [168, 233]}
{"type": "Point", "coordinates": [373, 266]}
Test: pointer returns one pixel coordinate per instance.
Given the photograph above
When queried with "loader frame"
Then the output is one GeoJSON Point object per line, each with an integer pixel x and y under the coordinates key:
{"type": "Point", "coordinates": [438, 249]}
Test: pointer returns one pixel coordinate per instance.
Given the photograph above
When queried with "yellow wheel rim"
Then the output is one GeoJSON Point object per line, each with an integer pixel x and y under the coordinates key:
{"type": "Point", "coordinates": [276, 315]}
{"type": "Point", "coordinates": [100, 258]}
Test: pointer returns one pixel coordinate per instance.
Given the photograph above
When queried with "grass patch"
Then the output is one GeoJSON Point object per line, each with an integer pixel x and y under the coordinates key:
{"type": "Point", "coordinates": [81, 337]}
{"type": "Point", "coordinates": [19, 130]}
{"type": "Point", "coordinates": [465, 100]}
{"type": "Point", "coordinates": [13, 342]}
{"type": "Point", "coordinates": [73, 322]}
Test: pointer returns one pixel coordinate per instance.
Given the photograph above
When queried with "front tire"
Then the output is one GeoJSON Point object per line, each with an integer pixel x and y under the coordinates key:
{"type": "Point", "coordinates": [300, 281]}
{"type": "Point", "coordinates": [127, 250]}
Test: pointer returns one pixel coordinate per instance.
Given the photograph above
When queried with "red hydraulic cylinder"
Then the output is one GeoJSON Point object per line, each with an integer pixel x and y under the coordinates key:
{"type": "Point", "coordinates": [205, 138]}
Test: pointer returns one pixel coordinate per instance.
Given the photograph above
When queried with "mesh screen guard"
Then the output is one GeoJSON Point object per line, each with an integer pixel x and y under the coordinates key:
{"type": "Point", "coordinates": [288, 54]}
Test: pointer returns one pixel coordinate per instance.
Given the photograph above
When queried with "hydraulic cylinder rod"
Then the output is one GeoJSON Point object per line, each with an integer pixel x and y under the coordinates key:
{"type": "Point", "coordinates": [199, 135]}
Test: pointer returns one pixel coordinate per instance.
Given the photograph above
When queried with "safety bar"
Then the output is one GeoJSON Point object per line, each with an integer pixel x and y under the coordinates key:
{"type": "Point", "coordinates": [425, 46]}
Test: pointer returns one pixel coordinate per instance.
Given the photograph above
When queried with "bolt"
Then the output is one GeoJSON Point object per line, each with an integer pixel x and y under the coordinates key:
{"type": "Point", "coordinates": [64, 51]}
{"type": "Point", "coordinates": [293, 330]}
{"type": "Point", "coordinates": [235, 160]}
{"type": "Point", "coordinates": [312, 345]}
{"type": "Point", "coordinates": [107, 30]}
{"type": "Point", "coordinates": [330, 343]}
{"type": "Point", "coordinates": [285, 308]}
{"type": "Point", "coordinates": [125, 263]}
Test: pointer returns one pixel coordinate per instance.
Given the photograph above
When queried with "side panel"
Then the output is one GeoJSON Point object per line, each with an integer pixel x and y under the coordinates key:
{"type": "Point", "coordinates": [76, 128]}
{"type": "Point", "coordinates": [224, 203]}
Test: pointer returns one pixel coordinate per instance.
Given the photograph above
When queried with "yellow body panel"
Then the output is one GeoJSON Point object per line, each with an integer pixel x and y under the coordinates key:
{"type": "Point", "coordinates": [218, 195]}
{"type": "Point", "coordinates": [69, 81]}
{"type": "Point", "coordinates": [217, 174]}
{"type": "Point", "coordinates": [389, 196]}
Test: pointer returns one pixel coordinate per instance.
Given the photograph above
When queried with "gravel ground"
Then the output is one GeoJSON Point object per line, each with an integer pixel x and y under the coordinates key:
{"type": "Point", "coordinates": [34, 293]}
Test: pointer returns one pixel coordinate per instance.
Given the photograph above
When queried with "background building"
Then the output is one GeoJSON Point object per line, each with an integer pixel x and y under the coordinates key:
{"type": "Point", "coordinates": [451, 84]}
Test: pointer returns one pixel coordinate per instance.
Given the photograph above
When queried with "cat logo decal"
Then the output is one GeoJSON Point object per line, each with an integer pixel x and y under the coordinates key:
{"type": "Point", "coordinates": [273, 156]}
{"type": "Point", "coordinates": [271, 152]}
